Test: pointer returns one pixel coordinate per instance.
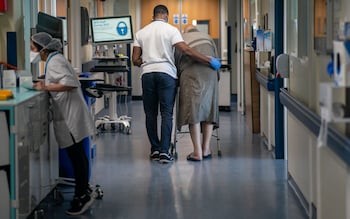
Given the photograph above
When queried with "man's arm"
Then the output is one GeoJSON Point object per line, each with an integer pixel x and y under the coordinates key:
{"type": "Point", "coordinates": [185, 49]}
{"type": "Point", "coordinates": [136, 56]}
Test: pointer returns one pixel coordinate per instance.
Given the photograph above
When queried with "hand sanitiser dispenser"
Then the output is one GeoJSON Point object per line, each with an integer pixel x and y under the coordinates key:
{"type": "Point", "coordinates": [341, 63]}
{"type": "Point", "coordinates": [331, 99]}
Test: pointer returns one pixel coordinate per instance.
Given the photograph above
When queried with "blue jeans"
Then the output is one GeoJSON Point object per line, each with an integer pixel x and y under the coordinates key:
{"type": "Point", "coordinates": [159, 91]}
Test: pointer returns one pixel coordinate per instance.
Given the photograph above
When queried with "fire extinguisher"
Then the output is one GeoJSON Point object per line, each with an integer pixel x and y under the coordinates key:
{"type": "Point", "coordinates": [3, 6]}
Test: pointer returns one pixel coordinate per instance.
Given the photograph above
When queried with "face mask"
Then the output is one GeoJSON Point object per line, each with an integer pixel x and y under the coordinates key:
{"type": "Point", "coordinates": [34, 57]}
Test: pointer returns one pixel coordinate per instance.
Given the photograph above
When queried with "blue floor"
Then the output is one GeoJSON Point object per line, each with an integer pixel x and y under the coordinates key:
{"type": "Point", "coordinates": [246, 182]}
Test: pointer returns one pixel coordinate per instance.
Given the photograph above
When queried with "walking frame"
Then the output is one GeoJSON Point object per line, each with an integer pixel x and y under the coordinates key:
{"type": "Point", "coordinates": [176, 132]}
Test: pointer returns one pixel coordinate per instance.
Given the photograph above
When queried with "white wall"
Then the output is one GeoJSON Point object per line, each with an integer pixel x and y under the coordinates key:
{"type": "Point", "coordinates": [13, 21]}
{"type": "Point", "coordinates": [321, 175]}
{"type": "Point", "coordinates": [135, 7]}
{"type": "Point", "coordinates": [223, 28]}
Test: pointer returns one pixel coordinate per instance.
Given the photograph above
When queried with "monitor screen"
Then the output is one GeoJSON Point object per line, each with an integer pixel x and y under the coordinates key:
{"type": "Point", "coordinates": [50, 24]}
{"type": "Point", "coordinates": [64, 27]}
{"type": "Point", "coordinates": [84, 18]}
{"type": "Point", "coordinates": [112, 29]}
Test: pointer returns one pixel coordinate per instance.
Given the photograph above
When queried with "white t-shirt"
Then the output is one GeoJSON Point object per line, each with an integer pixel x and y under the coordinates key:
{"type": "Point", "coordinates": [156, 41]}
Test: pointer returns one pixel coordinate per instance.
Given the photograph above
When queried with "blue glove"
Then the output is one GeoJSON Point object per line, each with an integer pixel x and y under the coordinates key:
{"type": "Point", "coordinates": [215, 63]}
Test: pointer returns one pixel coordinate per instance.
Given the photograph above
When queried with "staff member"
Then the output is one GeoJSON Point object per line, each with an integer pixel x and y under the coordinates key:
{"type": "Point", "coordinates": [71, 118]}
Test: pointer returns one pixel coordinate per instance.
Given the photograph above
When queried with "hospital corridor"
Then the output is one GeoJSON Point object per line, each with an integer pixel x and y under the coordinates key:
{"type": "Point", "coordinates": [245, 182]}
{"type": "Point", "coordinates": [175, 109]}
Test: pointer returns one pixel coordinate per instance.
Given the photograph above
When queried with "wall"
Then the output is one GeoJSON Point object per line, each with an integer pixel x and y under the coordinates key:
{"type": "Point", "coordinates": [227, 20]}
{"type": "Point", "coordinates": [300, 157]}
{"type": "Point", "coordinates": [319, 173]}
{"type": "Point", "coordinates": [195, 9]}
{"type": "Point", "coordinates": [6, 25]}
{"type": "Point", "coordinates": [333, 186]}
{"type": "Point", "coordinates": [238, 21]}
{"type": "Point", "coordinates": [247, 21]}
{"type": "Point", "coordinates": [223, 29]}
{"type": "Point", "coordinates": [61, 11]}
{"type": "Point", "coordinates": [13, 21]}
{"type": "Point", "coordinates": [142, 12]}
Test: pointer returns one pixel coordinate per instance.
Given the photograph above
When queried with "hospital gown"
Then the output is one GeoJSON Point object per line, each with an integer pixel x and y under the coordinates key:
{"type": "Point", "coordinates": [198, 94]}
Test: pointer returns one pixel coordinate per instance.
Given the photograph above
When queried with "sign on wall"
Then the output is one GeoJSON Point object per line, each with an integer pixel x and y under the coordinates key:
{"type": "Point", "coordinates": [176, 19]}
{"type": "Point", "coordinates": [184, 19]}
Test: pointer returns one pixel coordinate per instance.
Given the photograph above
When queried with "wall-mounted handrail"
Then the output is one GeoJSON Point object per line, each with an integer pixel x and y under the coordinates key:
{"type": "Point", "coordinates": [267, 83]}
{"type": "Point", "coordinates": [337, 141]}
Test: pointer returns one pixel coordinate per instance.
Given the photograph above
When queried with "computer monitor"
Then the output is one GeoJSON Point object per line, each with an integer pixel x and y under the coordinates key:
{"type": "Point", "coordinates": [64, 26]}
{"type": "Point", "coordinates": [51, 25]}
{"type": "Point", "coordinates": [84, 18]}
{"type": "Point", "coordinates": [107, 30]}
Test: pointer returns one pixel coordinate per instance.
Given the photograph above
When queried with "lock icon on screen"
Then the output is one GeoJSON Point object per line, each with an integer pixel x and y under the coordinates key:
{"type": "Point", "coordinates": [122, 29]}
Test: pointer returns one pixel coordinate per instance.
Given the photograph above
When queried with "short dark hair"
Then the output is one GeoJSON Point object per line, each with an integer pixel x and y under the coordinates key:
{"type": "Point", "coordinates": [160, 9]}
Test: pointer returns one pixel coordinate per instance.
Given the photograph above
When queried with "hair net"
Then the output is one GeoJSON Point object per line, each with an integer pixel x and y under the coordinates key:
{"type": "Point", "coordinates": [55, 44]}
{"type": "Point", "coordinates": [46, 41]}
{"type": "Point", "coordinates": [41, 38]}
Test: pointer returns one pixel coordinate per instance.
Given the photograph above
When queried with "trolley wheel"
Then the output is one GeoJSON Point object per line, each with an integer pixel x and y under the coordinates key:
{"type": "Point", "coordinates": [219, 153]}
{"type": "Point", "coordinates": [99, 192]}
{"type": "Point", "coordinates": [113, 126]}
{"type": "Point", "coordinates": [128, 130]}
{"type": "Point", "coordinates": [103, 128]}
{"type": "Point", "coordinates": [39, 213]}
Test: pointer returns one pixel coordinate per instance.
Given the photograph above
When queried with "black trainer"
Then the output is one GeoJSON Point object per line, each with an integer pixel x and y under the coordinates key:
{"type": "Point", "coordinates": [154, 155]}
{"type": "Point", "coordinates": [165, 158]}
{"type": "Point", "coordinates": [80, 204]}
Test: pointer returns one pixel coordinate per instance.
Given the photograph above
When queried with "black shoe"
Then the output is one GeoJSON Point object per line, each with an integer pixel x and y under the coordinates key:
{"type": "Point", "coordinates": [207, 157]}
{"type": "Point", "coordinates": [80, 204]}
{"type": "Point", "coordinates": [154, 155]}
{"type": "Point", "coordinates": [165, 158]}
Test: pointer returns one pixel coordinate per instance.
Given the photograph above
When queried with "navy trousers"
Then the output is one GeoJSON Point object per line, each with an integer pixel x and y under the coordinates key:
{"type": "Point", "coordinates": [158, 93]}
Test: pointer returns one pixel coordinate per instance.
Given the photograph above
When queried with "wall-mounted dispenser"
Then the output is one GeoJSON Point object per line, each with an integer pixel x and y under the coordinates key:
{"type": "Point", "coordinates": [282, 65]}
{"type": "Point", "coordinates": [341, 64]}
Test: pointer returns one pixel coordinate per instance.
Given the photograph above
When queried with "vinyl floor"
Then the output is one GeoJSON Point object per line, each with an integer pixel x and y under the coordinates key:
{"type": "Point", "coordinates": [246, 182]}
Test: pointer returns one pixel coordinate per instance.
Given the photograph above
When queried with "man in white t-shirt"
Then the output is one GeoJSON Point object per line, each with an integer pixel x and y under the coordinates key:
{"type": "Point", "coordinates": [153, 51]}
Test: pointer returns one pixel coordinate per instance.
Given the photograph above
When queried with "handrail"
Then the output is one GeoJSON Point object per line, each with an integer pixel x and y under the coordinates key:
{"type": "Point", "coordinates": [336, 141]}
{"type": "Point", "coordinates": [267, 83]}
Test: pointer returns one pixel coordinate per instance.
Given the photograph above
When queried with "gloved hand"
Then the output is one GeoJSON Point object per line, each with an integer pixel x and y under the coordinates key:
{"type": "Point", "coordinates": [215, 63]}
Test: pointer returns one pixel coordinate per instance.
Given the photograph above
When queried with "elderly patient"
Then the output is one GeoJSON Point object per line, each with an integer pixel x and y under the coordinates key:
{"type": "Point", "coordinates": [198, 94]}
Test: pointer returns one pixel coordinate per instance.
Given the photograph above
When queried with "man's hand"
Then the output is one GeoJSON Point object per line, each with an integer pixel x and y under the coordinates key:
{"type": "Point", "coordinates": [215, 63]}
